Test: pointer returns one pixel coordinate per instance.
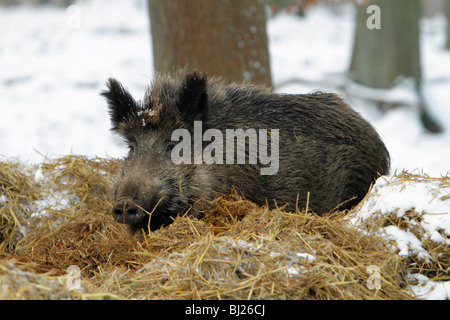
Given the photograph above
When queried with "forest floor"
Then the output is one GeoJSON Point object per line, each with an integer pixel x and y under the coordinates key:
{"type": "Point", "coordinates": [59, 241]}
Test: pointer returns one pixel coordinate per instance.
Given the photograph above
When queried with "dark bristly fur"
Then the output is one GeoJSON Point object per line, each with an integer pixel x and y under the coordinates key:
{"type": "Point", "coordinates": [325, 148]}
{"type": "Point", "coordinates": [119, 97]}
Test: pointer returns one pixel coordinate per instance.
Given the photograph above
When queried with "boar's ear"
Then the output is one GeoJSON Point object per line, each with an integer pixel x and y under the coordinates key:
{"type": "Point", "coordinates": [193, 96]}
{"type": "Point", "coordinates": [120, 102]}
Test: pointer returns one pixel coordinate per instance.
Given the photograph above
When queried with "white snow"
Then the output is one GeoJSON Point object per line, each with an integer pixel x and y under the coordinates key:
{"type": "Point", "coordinates": [51, 76]}
{"type": "Point", "coordinates": [430, 290]}
{"type": "Point", "coordinates": [54, 63]}
{"type": "Point", "coordinates": [429, 199]}
{"type": "Point", "coordinates": [427, 196]}
{"type": "Point", "coordinates": [405, 241]}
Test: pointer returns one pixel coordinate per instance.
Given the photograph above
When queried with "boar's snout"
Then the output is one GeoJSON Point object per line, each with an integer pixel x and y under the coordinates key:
{"type": "Point", "coordinates": [140, 205]}
{"type": "Point", "coordinates": [127, 211]}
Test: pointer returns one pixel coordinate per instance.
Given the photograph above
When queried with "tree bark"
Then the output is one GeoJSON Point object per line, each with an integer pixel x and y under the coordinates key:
{"type": "Point", "coordinates": [225, 38]}
{"type": "Point", "coordinates": [447, 15]}
{"type": "Point", "coordinates": [381, 56]}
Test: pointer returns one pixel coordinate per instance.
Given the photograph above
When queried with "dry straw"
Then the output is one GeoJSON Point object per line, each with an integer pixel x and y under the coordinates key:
{"type": "Point", "coordinates": [56, 214]}
{"type": "Point", "coordinates": [436, 265]}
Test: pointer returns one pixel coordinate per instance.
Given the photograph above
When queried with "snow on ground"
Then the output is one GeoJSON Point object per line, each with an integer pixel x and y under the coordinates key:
{"type": "Point", "coordinates": [422, 204]}
{"type": "Point", "coordinates": [54, 63]}
{"type": "Point", "coordinates": [52, 73]}
{"type": "Point", "coordinates": [427, 196]}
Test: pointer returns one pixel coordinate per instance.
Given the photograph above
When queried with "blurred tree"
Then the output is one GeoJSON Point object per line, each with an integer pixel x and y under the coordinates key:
{"type": "Point", "coordinates": [220, 37]}
{"type": "Point", "coordinates": [447, 15]}
{"type": "Point", "coordinates": [296, 6]}
{"type": "Point", "coordinates": [381, 55]}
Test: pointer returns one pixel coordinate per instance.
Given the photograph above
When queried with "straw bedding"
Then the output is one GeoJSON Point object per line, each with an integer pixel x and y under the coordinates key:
{"type": "Point", "coordinates": [56, 214]}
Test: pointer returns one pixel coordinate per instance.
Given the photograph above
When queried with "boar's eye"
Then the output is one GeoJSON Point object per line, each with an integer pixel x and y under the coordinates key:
{"type": "Point", "coordinates": [169, 148]}
{"type": "Point", "coordinates": [132, 146]}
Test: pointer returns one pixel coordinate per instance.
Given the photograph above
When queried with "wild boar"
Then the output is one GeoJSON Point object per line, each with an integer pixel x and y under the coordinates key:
{"type": "Point", "coordinates": [192, 137]}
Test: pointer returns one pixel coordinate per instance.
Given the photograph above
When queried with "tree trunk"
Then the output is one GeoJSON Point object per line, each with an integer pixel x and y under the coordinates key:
{"type": "Point", "coordinates": [226, 38]}
{"type": "Point", "coordinates": [447, 15]}
{"type": "Point", "coordinates": [381, 56]}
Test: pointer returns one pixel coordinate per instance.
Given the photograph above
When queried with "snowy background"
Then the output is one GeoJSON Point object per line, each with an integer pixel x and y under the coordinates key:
{"type": "Point", "coordinates": [55, 61]}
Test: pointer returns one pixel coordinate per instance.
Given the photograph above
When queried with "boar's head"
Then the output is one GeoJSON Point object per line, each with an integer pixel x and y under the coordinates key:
{"type": "Point", "coordinates": [151, 190]}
